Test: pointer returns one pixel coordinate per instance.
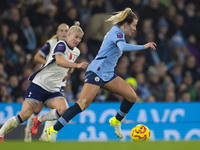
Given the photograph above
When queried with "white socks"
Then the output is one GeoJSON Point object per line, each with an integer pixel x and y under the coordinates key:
{"type": "Point", "coordinates": [9, 126]}
{"type": "Point", "coordinates": [51, 115]}
{"type": "Point", "coordinates": [30, 123]}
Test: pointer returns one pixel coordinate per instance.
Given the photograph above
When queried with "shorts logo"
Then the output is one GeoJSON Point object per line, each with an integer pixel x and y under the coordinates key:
{"type": "Point", "coordinates": [97, 79]}
{"type": "Point", "coordinates": [86, 80]}
{"type": "Point", "coordinates": [29, 95]}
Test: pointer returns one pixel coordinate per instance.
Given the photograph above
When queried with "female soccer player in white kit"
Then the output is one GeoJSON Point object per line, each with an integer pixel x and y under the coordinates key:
{"type": "Point", "coordinates": [42, 56]}
{"type": "Point", "coordinates": [46, 83]}
{"type": "Point", "coordinates": [100, 73]}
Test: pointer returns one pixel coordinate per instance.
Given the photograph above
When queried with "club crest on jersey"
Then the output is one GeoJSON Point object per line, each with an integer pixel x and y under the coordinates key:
{"type": "Point", "coordinates": [60, 46]}
{"type": "Point", "coordinates": [119, 35]}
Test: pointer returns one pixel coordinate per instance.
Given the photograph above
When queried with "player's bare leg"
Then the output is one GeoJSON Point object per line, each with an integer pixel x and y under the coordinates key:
{"type": "Point", "coordinates": [26, 111]}
{"type": "Point", "coordinates": [119, 86]}
{"type": "Point", "coordinates": [58, 105]}
{"type": "Point", "coordinates": [87, 95]}
{"type": "Point", "coordinates": [28, 134]}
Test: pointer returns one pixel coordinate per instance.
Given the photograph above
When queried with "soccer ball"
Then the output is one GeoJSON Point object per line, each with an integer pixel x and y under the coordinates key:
{"type": "Point", "coordinates": [140, 133]}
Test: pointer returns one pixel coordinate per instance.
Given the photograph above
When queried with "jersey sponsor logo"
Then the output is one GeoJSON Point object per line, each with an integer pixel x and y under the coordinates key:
{"type": "Point", "coordinates": [60, 46]}
{"type": "Point", "coordinates": [97, 79]}
{"type": "Point", "coordinates": [119, 35]}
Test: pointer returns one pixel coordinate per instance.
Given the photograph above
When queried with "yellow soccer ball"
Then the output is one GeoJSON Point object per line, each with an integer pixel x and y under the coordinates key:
{"type": "Point", "coordinates": [140, 133]}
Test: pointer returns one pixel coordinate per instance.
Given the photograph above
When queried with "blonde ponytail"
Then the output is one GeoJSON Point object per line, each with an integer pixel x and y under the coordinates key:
{"type": "Point", "coordinates": [122, 16]}
{"type": "Point", "coordinates": [63, 25]}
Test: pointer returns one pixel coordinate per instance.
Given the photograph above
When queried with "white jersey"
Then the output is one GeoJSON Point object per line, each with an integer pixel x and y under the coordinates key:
{"type": "Point", "coordinates": [51, 75]}
{"type": "Point", "coordinates": [48, 48]}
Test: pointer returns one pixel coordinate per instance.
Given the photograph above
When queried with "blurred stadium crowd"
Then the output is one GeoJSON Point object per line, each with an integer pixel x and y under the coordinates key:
{"type": "Point", "coordinates": [170, 74]}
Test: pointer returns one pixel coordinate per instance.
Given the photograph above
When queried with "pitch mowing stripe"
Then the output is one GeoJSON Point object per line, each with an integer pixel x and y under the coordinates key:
{"type": "Point", "coordinates": [182, 145]}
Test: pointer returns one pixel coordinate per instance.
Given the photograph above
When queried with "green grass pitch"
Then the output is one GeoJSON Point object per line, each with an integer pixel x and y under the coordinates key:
{"type": "Point", "coordinates": [20, 145]}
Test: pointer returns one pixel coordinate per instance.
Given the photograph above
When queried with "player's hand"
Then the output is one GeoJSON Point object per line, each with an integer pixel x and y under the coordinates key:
{"type": "Point", "coordinates": [65, 78]}
{"type": "Point", "coordinates": [83, 65]}
{"type": "Point", "coordinates": [69, 72]}
{"type": "Point", "coordinates": [151, 45]}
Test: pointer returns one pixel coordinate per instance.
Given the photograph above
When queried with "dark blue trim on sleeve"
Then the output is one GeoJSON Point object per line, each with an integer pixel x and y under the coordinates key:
{"type": "Point", "coordinates": [45, 49]}
{"type": "Point", "coordinates": [120, 40]}
{"type": "Point", "coordinates": [98, 58]}
{"type": "Point", "coordinates": [60, 48]}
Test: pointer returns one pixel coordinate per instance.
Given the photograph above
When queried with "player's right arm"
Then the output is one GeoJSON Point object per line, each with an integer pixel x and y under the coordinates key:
{"type": "Point", "coordinates": [61, 61]}
{"type": "Point", "coordinates": [40, 56]}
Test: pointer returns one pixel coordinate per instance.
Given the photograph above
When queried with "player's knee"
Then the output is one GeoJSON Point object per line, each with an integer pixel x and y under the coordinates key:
{"type": "Point", "coordinates": [38, 109]}
{"type": "Point", "coordinates": [132, 97]}
{"type": "Point", "coordinates": [83, 103]}
{"type": "Point", "coordinates": [83, 107]}
{"type": "Point", "coordinates": [24, 115]}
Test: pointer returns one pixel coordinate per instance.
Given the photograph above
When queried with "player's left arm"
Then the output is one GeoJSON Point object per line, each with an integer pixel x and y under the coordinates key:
{"type": "Point", "coordinates": [123, 46]}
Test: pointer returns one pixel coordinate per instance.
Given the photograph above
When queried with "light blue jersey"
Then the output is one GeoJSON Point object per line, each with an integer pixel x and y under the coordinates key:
{"type": "Point", "coordinates": [104, 63]}
{"type": "Point", "coordinates": [111, 50]}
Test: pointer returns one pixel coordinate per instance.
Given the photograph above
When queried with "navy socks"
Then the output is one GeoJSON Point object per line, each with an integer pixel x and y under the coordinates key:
{"type": "Point", "coordinates": [124, 109]}
{"type": "Point", "coordinates": [70, 113]}
{"type": "Point", "coordinates": [19, 119]}
{"type": "Point", "coordinates": [75, 109]}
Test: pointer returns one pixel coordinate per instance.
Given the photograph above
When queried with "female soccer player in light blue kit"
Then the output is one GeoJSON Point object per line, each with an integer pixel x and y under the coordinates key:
{"type": "Point", "coordinates": [100, 73]}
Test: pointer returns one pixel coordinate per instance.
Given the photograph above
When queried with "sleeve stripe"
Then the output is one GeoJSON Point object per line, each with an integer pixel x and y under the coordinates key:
{"type": "Point", "coordinates": [119, 40]}
{"type": "Point", "coordinates": [42, 53]}
{"type": "Point", "coordinates": [58, 53]}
